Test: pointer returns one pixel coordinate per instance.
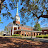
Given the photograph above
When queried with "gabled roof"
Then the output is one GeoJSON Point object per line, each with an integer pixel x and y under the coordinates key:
{"type": "Point", "coordinates": [10, 24]}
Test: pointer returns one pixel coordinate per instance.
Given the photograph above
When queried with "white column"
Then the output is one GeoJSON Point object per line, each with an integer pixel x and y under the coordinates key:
{"type": "Point", "coordinates": [17, 28]}
{"type": "Point", "coordinates": [13, 30]}
{"type": "Point", "coordinates": [10, 31]}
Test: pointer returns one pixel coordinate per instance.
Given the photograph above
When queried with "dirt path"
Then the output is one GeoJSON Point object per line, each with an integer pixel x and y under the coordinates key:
{"type": "Point", "coordinates": [19, 43]}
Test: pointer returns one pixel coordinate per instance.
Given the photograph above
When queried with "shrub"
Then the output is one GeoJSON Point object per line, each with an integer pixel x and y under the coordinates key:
{"type": "Point", "coordinates": [16, 35]}
{"type": "Point", "coordinates": [42, 36]}
{"type": "Point", "coordinates": [46, 34]}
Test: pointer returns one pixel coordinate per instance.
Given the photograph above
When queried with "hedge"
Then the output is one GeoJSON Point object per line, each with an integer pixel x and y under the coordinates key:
{"type": "Point", "coordinates": [16, 35]}
{"type": "Point", "coordinates": [42, 36]}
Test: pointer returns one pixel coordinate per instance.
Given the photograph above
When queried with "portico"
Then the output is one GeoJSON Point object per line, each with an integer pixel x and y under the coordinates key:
{"type": "Point", "coordinates": [15, 27]}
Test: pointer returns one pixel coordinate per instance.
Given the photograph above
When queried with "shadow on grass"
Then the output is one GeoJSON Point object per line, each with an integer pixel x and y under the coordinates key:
{"type": "Point", "coordinates": [20, 43]}
{"type": "Point", "coordinates": [28, 39]}
{"type": "Point", "coordinates": [4, 40]}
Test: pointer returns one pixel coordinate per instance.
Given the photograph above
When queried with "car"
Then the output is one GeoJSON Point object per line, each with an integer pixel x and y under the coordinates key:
{"type": "Point", "coordinates": [4, 34]}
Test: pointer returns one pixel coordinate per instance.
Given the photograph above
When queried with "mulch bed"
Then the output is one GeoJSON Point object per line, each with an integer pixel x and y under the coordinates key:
{"type": "Point", "coordinates": [21, 43]}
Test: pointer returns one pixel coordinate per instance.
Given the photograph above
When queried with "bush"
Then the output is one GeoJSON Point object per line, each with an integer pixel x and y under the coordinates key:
{"type": "Point", "coordinates": [42, 36]}
{"type": "Point", "coordinates": [16, 35]}
{"type": "Point", "coordinates": [46, 34]}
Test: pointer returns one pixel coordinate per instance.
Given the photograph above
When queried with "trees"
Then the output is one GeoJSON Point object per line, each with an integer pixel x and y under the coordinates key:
{"type": "Point", "coordinates": [30, 6]}
{"type": "Point", "coordinates": [35, 9]}
{"type": "Point", "coordinates": [1, 2]}
{"type": "Point", "coordinates": [0, 20]}
{"type": "Point", "coordinates": [12, 6]}
{"type": "Point", "coordinates": [34, 6]}
{"type": "Point", "coordinates": [37, 27]}
{"type": "Point", "coordinates": [6, 29]}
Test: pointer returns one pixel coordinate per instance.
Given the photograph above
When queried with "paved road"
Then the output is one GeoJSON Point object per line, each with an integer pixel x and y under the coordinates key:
{"type": "Point", "coordinates": [41, 39]}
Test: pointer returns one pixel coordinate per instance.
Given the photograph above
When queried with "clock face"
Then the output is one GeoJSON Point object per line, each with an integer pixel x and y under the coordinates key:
{"type": "Point", "coordinates": [17, 19]}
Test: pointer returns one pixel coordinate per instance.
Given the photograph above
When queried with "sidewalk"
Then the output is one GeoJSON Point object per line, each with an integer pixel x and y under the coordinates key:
{"type": "Point", "coordinates": [41, 39]}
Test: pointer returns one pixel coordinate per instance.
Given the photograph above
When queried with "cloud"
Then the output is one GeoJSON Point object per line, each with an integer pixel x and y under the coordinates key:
{"type": "Point", "coordinates": [45, 25]}
{"type": "Point", "coordinates": [40, 21]}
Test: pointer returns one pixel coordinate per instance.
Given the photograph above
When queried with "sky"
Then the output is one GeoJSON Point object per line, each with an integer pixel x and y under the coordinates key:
{"type": "Point", "coordinates": [13, 12]}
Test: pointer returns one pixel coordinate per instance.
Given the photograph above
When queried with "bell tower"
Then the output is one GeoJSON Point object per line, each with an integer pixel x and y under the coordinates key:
{"type": "Point", "coordinates": [17, 16]}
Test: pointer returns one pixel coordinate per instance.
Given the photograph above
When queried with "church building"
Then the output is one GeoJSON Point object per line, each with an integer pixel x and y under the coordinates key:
{"type": "Point", "coordinates": [17, 28]}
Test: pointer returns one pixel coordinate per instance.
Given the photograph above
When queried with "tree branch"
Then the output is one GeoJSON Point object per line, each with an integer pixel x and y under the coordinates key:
{"type": "Point", "coordinates": [43, 16]}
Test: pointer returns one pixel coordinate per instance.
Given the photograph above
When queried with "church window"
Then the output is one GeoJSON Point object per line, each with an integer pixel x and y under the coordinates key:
{"type": "Point", "coordinates": [25, 34]}
{"type": "Point", "coordinates": [22, 34]}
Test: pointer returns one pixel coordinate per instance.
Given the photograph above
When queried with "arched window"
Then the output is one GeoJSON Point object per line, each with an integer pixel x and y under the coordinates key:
{"type": "Point", "coordinates": [34, 34]}
{"type": "Point", "coordinates": [27, 35]}
{"type": "Point", "coordinates": [39, 33]}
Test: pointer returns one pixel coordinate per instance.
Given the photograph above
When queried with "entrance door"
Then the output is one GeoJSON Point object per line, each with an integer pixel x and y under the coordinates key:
{"type": "Point", "coordinates": [11, 32]}
{"type": "Point", "coordinates": [34, 34]}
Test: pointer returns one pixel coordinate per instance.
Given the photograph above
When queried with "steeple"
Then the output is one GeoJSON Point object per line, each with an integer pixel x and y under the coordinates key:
{"type": "Point", "coordinates": [17, 18]}
{"type": "Point", "coordinates": [17, 10]}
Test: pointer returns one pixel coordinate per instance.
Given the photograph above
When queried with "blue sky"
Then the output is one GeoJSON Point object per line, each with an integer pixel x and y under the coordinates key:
{"type": "Point", "coordinates": [13, 12]}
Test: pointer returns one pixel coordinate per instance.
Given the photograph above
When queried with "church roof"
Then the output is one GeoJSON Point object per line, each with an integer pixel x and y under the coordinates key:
{"type": "Point", "coordinates": [10, 24]}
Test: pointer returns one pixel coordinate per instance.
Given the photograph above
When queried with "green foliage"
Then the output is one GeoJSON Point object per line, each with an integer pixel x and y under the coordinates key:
{"type": "Point", "coordinates": [6, 29]}
{"type": "Point", "coordinates": [0, 20]}
{"type": "Point", "coordinates": [37, 27]}
{"type": "Point", "coordinates": [42, 36]}
{"type": "Point", "coordinates": [32, 8]}
{"type": "Point", "coordinates": [16, 35]}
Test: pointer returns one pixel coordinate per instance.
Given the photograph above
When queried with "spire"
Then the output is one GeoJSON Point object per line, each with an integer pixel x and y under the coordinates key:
{"type": "Point", "coordinates": [17, 10]}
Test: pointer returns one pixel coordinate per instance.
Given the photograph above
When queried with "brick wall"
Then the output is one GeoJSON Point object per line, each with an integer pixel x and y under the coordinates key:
{"type": "Point", "coordinates": [24, 28]}
{"type": "Point", "coordinates": [25, 32]}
